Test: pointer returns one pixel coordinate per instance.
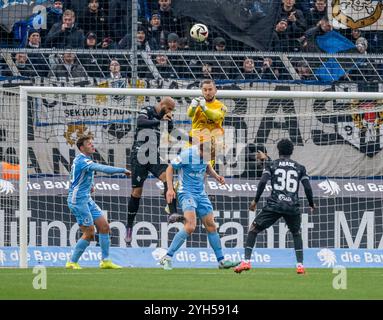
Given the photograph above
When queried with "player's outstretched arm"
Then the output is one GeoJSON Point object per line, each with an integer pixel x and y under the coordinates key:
{"type": "Point", "coordinates": [211, 172]}
{"type": "Point", "coordinates": [170, 195]}
{"type": "Point", "coordinates": [108, 169]}
{"type": "Point", "coordinates": [309, 193]}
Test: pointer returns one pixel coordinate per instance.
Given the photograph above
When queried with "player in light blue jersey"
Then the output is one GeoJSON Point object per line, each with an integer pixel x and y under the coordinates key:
{"type": "Point", "coordinates": [86, 211]}
{"type": "Point", "coordinates": [192, 165]}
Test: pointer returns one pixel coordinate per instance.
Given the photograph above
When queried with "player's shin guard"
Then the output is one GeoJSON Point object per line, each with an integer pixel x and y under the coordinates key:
{"type": "Point", "coordinates": [173, 204]}
{"type": "Point", "coordinates": [104, 244]}
{"type": "Point", "coordinates": [177, 242]}
{"type": "Point", "coordinates": [80, 247]}
{"type": "Point", "coordinates": [133, 206]}
{"type": "Point", "coordinates": [298, 246]}
{"type": "Point", "coordinates": [215, 243]}
{"type": "Point", "coordinates": [250, 241]}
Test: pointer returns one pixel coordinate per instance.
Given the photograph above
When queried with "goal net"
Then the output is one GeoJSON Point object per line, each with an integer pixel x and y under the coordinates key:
{"type": "Point", "coordinates": [337, 136]}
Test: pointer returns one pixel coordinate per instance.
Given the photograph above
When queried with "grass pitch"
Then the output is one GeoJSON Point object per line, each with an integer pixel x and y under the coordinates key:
{"type": "Point", "coordinates": [190, 284]}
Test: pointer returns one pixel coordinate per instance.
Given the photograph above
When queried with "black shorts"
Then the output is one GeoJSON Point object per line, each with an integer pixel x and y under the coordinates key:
{"type": "Point", "coordinates": [140, 171]}
{"type": "Point", "coordinates": [267, 218]}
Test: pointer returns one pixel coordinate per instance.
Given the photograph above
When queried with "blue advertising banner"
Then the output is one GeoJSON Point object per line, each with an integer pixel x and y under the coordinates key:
{"type": "Point", "coordinates": [196, 257]}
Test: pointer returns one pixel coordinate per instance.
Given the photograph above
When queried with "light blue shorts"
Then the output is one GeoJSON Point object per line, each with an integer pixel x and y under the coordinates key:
{"type": "Point", "coordinates": [200, 204]}
{"type": "Point", "coordinates": [86, 212]}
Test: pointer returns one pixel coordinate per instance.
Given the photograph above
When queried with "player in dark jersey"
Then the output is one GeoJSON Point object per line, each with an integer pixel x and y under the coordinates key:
{"type": "Point", "coordinates": [149, 118]}
{"type": "Point", "coordinates": [285, 175]}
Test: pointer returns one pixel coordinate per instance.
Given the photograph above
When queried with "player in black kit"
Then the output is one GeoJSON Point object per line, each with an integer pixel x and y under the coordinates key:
{"type": "Point", "coordinates": [285, 175]}
{"type": "Point", "coordinates": [149, 118]}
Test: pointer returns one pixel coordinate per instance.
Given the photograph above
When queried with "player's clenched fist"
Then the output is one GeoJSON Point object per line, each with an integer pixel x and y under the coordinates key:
{"type": "Point", "coordinates": [168, 117]}
{"type": "Point", "coordinates": [195, 103]}
{"type": "Point", "coordinates": [221, 179]}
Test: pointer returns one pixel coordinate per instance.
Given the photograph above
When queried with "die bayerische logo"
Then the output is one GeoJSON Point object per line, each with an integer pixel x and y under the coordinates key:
{"type": "Point", "coordinates": [159, 253]}
{"type": "Point", "coordinates": [327, 257]}
{"type": "Point", "coordinates": [356, 13]}
{"type": "Point", "coordinates": [6, 187]}
{"type": "Point", "coordinates": [329, 187]}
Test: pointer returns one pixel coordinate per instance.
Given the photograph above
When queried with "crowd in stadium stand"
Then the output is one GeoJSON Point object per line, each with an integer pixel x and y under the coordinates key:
{"type": "Point", "coordinates": [101, 24]}
{"type": "Point", "coordinates": [72, 23]}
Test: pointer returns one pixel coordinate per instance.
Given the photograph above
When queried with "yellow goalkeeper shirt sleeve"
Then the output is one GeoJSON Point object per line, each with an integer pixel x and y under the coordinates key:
{"type": "Point", "coordinates": [215, 115]}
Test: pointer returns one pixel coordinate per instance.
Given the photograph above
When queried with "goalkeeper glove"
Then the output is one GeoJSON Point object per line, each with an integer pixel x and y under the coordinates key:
{"type": "Point", "coordinates": [202, 103]}
{"type": "Point", "coordinates": [195, 102]}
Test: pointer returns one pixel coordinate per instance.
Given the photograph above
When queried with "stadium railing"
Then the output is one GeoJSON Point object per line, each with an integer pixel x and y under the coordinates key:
{"type": "Point", "coordinates": [185, 65]}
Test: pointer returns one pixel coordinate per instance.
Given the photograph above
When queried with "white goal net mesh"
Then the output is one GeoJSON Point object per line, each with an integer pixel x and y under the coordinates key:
{"type": "Point", "coordinates": [339, 141]}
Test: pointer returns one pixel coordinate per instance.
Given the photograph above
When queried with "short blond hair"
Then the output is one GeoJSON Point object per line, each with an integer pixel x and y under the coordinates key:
{"type": "Point", "coordinates": [69, 13]}
{"type": "Point", "coordinates": [207, 81]}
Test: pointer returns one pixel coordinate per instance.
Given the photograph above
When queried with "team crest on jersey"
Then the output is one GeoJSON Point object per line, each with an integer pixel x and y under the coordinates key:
{"type": "Point", "coordinates": [365, 130]}
{"type": "Point", "coordinates": [356, 14]}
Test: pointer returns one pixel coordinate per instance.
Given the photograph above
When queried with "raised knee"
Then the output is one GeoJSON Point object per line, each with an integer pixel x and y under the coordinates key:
{"type": "Point", "coordinates": [137, 192]}
{"type": "Point", "coordinates": [89, 234]}
{"type": "Point", "coordinates": [254, 227]}
{"type": "Point", "coordinates": [211, 228]}
{"type": "Point", "coordinates": [189, 227]}
{"type": "Point", "coordinates": [104, 229]}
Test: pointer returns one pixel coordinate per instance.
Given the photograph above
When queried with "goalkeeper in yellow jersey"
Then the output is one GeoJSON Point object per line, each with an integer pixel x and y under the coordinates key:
{"type": "Point", "coordinates": [207, 115]}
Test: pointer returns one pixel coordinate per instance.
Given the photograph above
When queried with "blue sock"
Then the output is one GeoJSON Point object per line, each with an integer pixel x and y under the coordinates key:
{"type": "Point", "coordinates": [104, 244]}
{"type": "Point", "coordinates": [215, 243]}
{"type": "Point", "coordinates": [80, 247]}
{"type": "Point", "coordinates": [177, 242]}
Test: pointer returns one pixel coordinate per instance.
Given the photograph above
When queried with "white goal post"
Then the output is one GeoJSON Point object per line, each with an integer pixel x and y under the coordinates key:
{"type": "Point", "coordinates": [26, 91]}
